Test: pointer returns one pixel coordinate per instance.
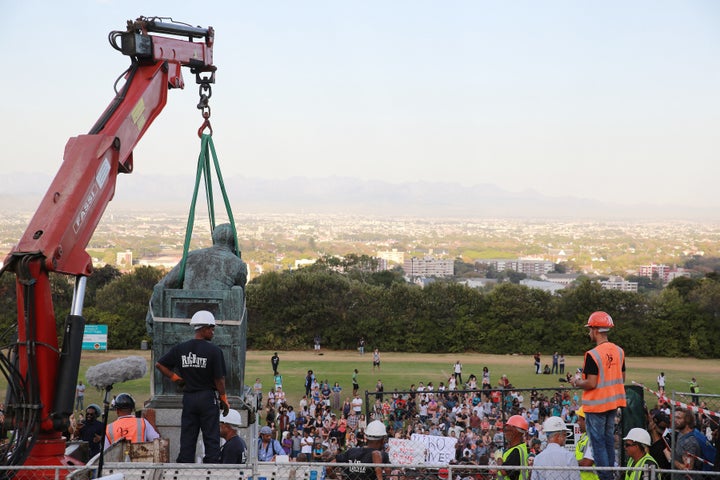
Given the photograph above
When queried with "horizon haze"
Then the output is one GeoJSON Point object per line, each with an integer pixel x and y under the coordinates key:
{"type": "Point", "coordinates": [337, 195]}
{"type": "Point", "coordinates": [604, 105]}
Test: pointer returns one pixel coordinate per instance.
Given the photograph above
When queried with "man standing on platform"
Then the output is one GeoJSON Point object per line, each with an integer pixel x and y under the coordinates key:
{"type": "Point", "coordinates": [200, 367]}
{"type": "Point", "coordinates": [602, 380]}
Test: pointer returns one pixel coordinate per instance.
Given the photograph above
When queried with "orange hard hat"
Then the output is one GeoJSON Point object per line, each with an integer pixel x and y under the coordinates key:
{"type": "Point", "coordinates": [600, 320]}
{"type": "Point", "coordinates": [517, 421]}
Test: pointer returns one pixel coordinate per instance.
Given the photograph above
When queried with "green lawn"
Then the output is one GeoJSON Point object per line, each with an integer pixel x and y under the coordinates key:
{"type": "Point", "coordinates": [400, 370]}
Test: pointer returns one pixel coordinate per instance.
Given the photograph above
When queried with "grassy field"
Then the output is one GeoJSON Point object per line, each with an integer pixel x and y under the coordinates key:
{"type": "Point", "coordinates": [400, 370]}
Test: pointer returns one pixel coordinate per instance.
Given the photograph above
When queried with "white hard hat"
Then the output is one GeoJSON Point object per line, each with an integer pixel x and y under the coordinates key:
{"type": "Point", "coordinates": [375, 430]}
{"type": "Point", "coordinates": [232, 418]}
{"type": "Point", "coordinates": [202, 318]}
{"type": "Point", "coordinates": [554, 424]}
{"type": "Point", "coordinates": [639, 435]}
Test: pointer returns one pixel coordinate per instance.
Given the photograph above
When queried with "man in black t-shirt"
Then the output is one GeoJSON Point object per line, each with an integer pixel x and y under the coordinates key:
{"type": "Point", "coordinates": [373, 453]}
{"type": "Point", "coordinates": [91, 430]}
{"type": "Point", "coordinates": [198, 366]}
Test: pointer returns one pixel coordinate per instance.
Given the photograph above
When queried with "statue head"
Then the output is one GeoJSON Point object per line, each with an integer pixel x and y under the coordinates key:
{"type": "Point", "coordinates": [223, 235]}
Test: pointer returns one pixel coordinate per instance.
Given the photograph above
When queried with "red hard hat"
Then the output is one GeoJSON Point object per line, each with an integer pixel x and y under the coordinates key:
{"type": "Point", "coordinates": [517, 421]}
{"type": "Point", "coordinates": [600, 320]}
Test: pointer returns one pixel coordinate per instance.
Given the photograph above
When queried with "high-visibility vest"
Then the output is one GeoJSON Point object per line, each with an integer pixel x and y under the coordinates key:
{"type": "Point", "coordinates": [609, 393]}
{"type": "Point", "coordinates": [580, 449]}
{"type": "Point", "coordinates": [129, 427]}
{"type": "Point", "coordinates": [637, 474]}
{"type": "Point", "coordinates": [523, 451]}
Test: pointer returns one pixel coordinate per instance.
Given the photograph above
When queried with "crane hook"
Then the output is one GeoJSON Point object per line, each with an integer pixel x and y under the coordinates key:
{"type": "Point", "coordinates": [206, 123]}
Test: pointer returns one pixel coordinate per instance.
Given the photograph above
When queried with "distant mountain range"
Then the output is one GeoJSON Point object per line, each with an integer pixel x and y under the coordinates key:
{"type": "Point", "coordinates": [22, 192]}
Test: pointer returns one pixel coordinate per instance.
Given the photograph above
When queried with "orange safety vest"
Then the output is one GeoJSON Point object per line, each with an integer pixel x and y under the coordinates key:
{"type": "Point", "coordinates": [130, 428]}
{"type": "Point", "coordinates": [609, 393]}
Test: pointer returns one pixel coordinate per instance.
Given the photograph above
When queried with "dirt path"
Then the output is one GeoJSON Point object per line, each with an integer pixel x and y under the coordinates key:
{"type": "Point", "coordinates": [652, 363]}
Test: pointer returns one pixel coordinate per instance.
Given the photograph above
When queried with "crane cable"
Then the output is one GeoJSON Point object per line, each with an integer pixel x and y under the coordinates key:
{"type": "Point", "coordinates": [207, 147]}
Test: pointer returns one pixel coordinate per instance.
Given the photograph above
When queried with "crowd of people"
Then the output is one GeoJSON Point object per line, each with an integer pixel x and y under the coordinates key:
{"type": "Point", "coordinates": [484, 423]}
{"type": "Point", "coordinates": [491, 427]}
{"type": "Point", "coordinates": [485, 420]}
{"type": "Point", "coordinates": [323, 421]}
{"type": "Point", "coordinates": [503, 427]}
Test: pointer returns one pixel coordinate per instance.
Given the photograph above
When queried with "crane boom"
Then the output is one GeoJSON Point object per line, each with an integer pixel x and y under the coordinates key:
{"type": "Point", "coordinates": [62, 226]}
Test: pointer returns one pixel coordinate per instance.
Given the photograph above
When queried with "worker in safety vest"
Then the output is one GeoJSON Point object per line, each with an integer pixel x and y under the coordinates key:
{"type": "Point", "coordinates": [583, 449]}
{"type": "Point", "coordinates": [127, 425]}
{"type": "Point", "coordinates": [602, 379]}
{"type": "Point", "coordinates": [636, 445]}
{"type": "Point", "coordinates": [516, 452]}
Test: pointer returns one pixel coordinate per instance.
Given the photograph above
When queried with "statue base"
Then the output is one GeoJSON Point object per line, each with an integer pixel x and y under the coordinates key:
{"type": "Point", "coordinates": [167, 413]}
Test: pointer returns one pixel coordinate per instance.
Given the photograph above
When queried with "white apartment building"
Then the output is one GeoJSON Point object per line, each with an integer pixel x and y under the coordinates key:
{"type": "Point", "coordinates": [527, 266]}
{"type": "Point", "coordinates": [429, 267]}
{"type": "Point", "coordinates": [619, 283]}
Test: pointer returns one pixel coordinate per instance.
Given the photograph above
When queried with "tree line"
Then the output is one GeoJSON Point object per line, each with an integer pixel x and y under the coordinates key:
{"type": "Point", "coordinates": [342, 300]}
{"type": "Point", "coordinates": [287, 309]}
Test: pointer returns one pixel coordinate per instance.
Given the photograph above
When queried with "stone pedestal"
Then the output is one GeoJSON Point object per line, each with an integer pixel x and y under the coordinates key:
{"type": "Point", "coordinates": [172, 310]}
{"type": "Point", "coordinates": [168, 410]}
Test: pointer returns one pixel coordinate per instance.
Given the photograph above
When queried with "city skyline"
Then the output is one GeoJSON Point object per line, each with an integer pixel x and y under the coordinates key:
{"type": "Point", "coordinates": [271, 239]}
{"type": "Point", "coordinates": [610, 102]}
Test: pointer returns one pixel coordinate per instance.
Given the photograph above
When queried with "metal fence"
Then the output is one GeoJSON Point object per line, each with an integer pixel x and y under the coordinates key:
{"type": "Point", "coordinates": [320, 471]}
{"type": "Point", "coordinates": [409, 465]}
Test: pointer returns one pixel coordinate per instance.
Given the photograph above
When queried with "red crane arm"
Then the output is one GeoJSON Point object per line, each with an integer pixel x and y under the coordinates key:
{"type": "Point", "coordinates": [76, 200]}
{"type": "Point", "coordinates": [85, 183]}
{"type": "Point", "coordinates": [63, 224]}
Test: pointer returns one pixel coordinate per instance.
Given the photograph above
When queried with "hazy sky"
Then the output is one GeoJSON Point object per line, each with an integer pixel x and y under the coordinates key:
{"type": "Point", "coordinates": [613, 100]}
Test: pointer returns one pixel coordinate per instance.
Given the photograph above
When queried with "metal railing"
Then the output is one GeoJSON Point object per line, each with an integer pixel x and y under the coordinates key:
{"type": "Point", "coordinates": [318, 471]}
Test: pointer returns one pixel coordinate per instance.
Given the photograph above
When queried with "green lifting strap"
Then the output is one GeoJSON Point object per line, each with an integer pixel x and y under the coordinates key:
{"type": "Point", "coordinates": [203, 170]}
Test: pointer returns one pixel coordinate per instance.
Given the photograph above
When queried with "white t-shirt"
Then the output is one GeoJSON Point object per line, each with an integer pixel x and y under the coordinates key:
{"type": "Point", "coordinates": [306, 445]}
